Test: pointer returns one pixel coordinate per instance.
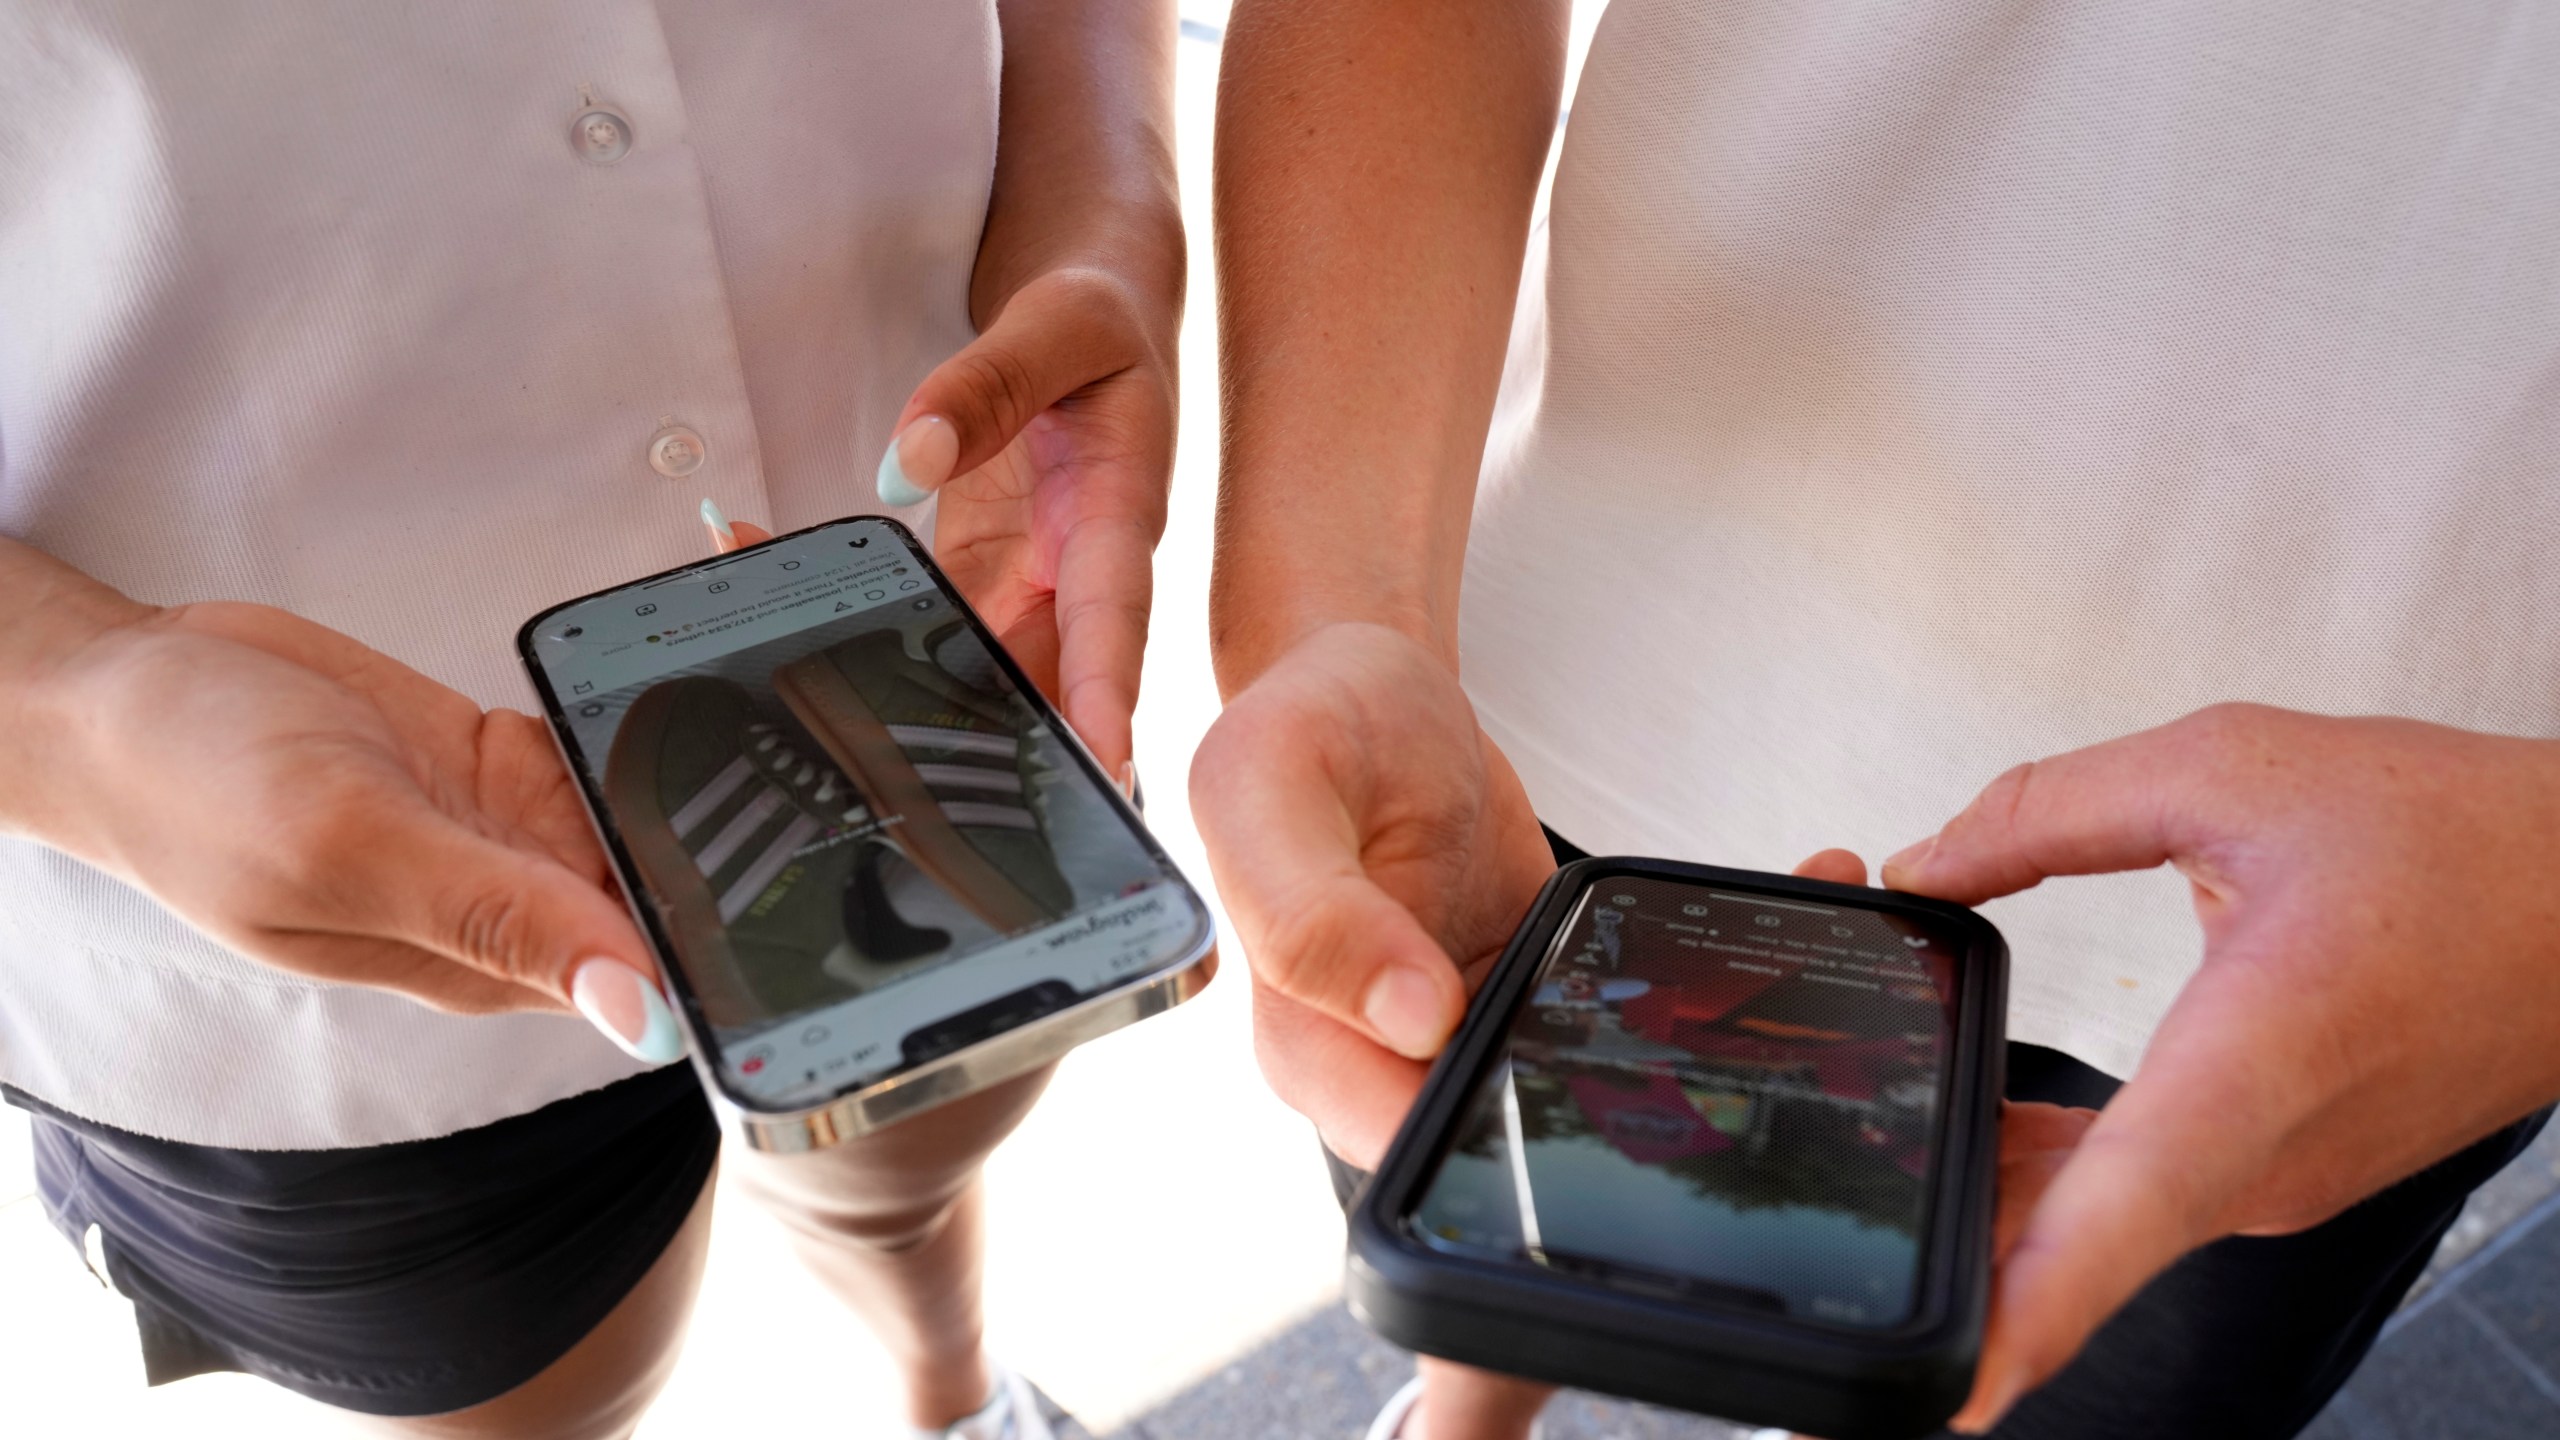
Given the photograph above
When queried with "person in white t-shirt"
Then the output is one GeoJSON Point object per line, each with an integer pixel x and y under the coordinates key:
{"type": "Point", "coordinates": [2110, 399]}
{"type": "Point", "coordinates": [336, 341]}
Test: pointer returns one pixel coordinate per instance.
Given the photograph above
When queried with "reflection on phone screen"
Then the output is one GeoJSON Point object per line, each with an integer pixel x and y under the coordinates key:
{"type": "Point", "coordinates": [866, 845]}
{"type": "Point", "coordinates": [1714, 1095]}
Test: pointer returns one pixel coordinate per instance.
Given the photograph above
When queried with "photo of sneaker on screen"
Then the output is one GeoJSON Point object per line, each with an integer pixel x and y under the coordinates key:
{"type": "Point", "coordinates": [834, 811]}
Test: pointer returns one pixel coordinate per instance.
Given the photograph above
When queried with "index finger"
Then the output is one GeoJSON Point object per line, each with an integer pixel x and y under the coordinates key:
{"type": "Point", "coordinates": [2121, 805]}
{"type": "Point", "coordinates": [2156, 1174]}
{"type": "Point", "coordinates": [1105, 589]}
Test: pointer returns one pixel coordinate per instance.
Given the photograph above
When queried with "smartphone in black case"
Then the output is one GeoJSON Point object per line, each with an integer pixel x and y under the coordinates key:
{"type": "Point", "coordinates": [1712, 1139]}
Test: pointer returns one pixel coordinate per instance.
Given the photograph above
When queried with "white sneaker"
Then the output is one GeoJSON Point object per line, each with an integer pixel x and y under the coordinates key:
{"type": "Point", "coordinates": [1391, 1418]}
{"type": "Point", "coordinates": [1012, 1412]}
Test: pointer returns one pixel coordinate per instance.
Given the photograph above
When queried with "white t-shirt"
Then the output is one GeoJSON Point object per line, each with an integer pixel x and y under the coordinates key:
{"type": "Point", "coordinates": [334, 308]}
{"type": "Point", "coordinates": [1917, 389]}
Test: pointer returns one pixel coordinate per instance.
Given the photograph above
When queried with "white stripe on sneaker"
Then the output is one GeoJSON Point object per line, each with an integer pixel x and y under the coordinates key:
{"type": "Point", "coordinates": [971, 777]}
{"type": "Point", "coordinates": [968, 742]}
{"type": "Point", "coordinates": [769, 864]}
{"type": "Point", "coordinates": [1001, 817]}
{"type": "Point", "coordinates": [711, 797]}
{"type": "Point", "coordinates": [734, 834]}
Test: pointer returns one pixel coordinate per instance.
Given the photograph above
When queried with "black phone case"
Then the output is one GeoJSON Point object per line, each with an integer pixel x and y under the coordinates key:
{"type": "Point", "coordinates": [1762, 1370]}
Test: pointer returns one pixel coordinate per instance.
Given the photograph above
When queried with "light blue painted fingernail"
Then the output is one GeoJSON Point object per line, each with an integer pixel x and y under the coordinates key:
{"type": "Point", "coordinates": [718, 522]}
{"type": "Point", "coordinates": [627, 1007]}
{"type": "Point", "coordinates": [895, 488]}
{"type": "Point", "coordinates": [661, 1041]}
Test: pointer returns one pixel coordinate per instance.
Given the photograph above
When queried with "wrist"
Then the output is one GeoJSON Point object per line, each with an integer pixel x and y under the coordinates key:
{"type": "Point", "coordinates": [1252, 625]}
{"type": "Point", "coordinates": [1314, 531]}
{"type": "Point", "coordinates": [1136, 241]}
{"type": "Point", "coordinates": [66, 618]}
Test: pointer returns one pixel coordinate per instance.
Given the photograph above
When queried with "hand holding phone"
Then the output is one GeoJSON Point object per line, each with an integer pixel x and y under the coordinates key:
{"type": "Point", "coordinates": [2380, 984]}
{"type": "Point", "coordinates": [1375, 851]}
{"type": "Point", "coordinates": [881, 870]}
{"type": "Point", "coordinates": [1713, 1139]}
{"type": "Point", "coordinates": [402, 838]}
{"type": "Point", "coordinates": [1049, 439]}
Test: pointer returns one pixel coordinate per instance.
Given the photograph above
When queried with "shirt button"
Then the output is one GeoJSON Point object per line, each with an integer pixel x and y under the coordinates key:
{"type": "Point", "coordinates": [600, 136]}
{"type": "Point", "coordinates": [676, 452]}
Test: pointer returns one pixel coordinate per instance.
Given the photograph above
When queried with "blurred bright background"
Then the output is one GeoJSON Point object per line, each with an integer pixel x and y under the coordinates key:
{"type": "Point", "coordinates": [1159, 1215]}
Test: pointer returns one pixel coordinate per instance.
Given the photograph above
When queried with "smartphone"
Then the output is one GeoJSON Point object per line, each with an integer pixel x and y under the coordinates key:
{"type": "Point", "coordinates": [1712, 1139]}
{"type": "Point", "coordinates": [878, 869]}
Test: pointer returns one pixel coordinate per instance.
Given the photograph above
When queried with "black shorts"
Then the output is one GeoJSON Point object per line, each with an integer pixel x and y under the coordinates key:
{"type": "Point", "coordinates": [408, 1279]}
{"type": "Point", "coordinates": [2246, 1338]}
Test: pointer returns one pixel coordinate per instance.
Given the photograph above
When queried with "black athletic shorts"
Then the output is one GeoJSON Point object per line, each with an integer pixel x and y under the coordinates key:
{"type": "Point", "coordinates": [2246, 1338]}
{"type": "Point", "coordinates": [407, 1279]}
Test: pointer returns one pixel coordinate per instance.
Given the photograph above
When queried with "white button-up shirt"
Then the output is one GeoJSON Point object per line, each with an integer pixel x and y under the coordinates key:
{"type": "Point", "coordinates": [413, 320]}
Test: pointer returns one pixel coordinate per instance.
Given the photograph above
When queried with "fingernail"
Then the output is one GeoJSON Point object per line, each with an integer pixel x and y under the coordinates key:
{"type": "Point", "coordinates": [1909, 857]}
{"type": "Point", "coordinates": [627, 1007]}
{"type": "Point", "coordinates": [918, 460]}
{"type": "Point", "coordinates": [1404, 1008]}
{"type": "Point", "coordinates": [1129, 784]}
{"type": "Point", "coordinates": [718, 522]}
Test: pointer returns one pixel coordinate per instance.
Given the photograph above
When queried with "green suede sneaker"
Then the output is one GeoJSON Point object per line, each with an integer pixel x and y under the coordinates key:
{"type": "Point", "coordinates": [763, 860]}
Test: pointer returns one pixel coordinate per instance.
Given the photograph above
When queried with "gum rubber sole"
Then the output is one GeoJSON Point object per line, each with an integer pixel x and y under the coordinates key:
{"type": "Point", "coordinates": [858, 740]}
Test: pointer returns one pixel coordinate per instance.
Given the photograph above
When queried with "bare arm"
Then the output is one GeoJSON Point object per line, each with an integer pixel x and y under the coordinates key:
{"type": "Point", "coordinates": [1084, 150]}
{"type": "Point", "coordinates": [1377, 163]}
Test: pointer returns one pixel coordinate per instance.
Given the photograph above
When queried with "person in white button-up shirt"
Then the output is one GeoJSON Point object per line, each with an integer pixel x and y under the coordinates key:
{"type": "Point", "coordinates": [333, 343]}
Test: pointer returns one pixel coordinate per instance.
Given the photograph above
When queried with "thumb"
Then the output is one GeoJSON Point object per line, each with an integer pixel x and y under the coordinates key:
{"type": "Point", "coordinates": [533, 922]}
{"type": "Point", "coordinates": [2123, 1207]}
{"type": "Point", "coordinates": [1286, 854]}
{"type": "Point", "coordinates": [2157, 1173]}
{"type": "Point", "coordinates": [727, 534]}
{"type": "Point", "coordinates": [1054, 337]}
{"type": "Point", "coordinates": [1840, 867]}
{"type": "Point", "coordinates": [2098, 1234]}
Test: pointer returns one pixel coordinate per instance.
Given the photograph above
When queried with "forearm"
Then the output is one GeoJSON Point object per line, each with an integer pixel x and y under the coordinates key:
{"type": "Point", "coordinates": [56, 612]}
{"type": "Point", "coordinates": [1084, 153]}
{"type": "Point", "coordinates": [1377, 163]}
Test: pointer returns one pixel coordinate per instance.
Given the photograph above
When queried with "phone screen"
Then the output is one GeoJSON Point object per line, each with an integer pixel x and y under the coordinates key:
{"type": "Point", "coordinates": [866, 842]}
{"type": "Point", "coordinates": [1715, 1095]}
